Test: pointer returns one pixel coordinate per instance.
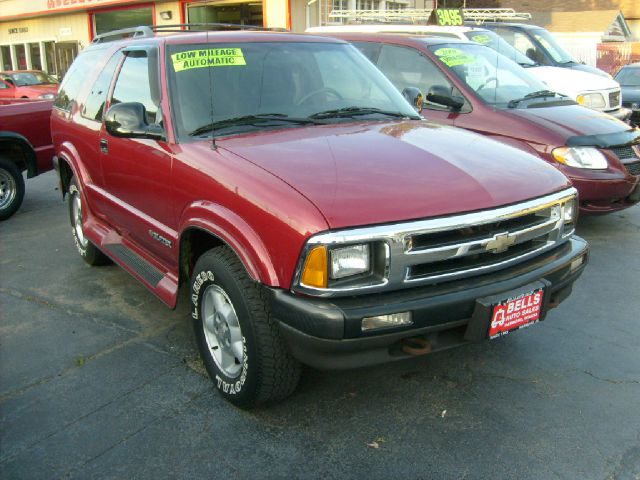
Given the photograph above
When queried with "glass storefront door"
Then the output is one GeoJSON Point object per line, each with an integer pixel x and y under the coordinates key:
{"type": "Point", "coordinates": [246, 13]}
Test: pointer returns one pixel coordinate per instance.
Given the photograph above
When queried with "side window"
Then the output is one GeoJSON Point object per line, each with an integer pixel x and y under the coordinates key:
{"type": "Point", "coordinates": [407, 67]}
{"type": "Point", "coordinates": [74, 80]}
{"type": "Point", "coordinates": [524, 44]}
{"type": "Point", "coordinates": [3, 85]}
{"type": "Point", "coordinates": [370, 50]}
{"type": "Point", "coordinates": [133, 85]}
{"type": "Point", "coordinates": [94, 105]}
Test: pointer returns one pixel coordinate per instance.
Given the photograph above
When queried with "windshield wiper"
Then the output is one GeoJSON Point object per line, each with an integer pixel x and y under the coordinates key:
{"type": "Point", "coordinates": [251, 120]}
{"type": "Point", "coordinates": [354, 111]}
{"type": "Point", "coordinates": [539, 94]}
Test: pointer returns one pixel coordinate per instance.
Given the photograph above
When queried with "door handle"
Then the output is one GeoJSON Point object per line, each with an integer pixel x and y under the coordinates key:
{"type": "Point", "coordinates": [104, 145]}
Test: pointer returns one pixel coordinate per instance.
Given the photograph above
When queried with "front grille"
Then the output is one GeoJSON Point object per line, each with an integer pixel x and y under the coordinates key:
{"type": "Point", "coordinates": [444, 255]}
{"type": "Point", "coordinates": [625, 153]}
{"type": "Point", "coordinates": [633, 168]}
{"type": "Point", "coordinates": [614, 99]}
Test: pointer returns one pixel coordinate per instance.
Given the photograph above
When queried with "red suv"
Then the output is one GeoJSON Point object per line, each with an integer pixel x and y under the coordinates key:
{"type": "Point", "coordinates": [317, 218]}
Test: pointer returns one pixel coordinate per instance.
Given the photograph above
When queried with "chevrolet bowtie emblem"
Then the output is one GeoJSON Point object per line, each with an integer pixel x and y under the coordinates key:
{"type": "Point", "coordinates": [500, 243]}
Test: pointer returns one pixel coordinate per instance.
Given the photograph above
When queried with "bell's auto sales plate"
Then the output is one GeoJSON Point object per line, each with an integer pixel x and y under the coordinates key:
{"type": "Point", "coordinates": [515, 313]}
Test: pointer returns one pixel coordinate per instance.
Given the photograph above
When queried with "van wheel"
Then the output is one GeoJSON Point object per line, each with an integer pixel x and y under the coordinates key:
{"type": "Point", "coordinates": [88, 251]}
{"type": "Point", "coordinates": [239, 341]}
{"type": "Point", "coordinates": [11, 188]}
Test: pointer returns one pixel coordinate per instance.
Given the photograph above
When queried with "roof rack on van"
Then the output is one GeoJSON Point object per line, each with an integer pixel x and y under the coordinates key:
{"type": "Point", "coordinates": [480, 15]}
{"type": "Point", "coordinates": [411, 14]}
{"type": "Point", "coordinates": [150, 31]}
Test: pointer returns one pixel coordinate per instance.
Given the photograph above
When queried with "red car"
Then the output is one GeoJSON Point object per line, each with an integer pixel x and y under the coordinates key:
{"type": "Point", "coordinates": [316, 216]}
{"type": "Point", "coordinates": [27, 84]}
{"type": "Point", "coordinates": [25, 144]}
{"type": "Point", "coordinates": [471, 86]}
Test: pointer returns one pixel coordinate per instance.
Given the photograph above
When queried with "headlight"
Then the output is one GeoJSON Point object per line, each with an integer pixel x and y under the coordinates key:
{"type": "Point", "coordinates": [591, 100]}
{"type": "Point", "coordinates": [580, 157]}
{"type": "Point", "coordinates": [47, 96]}
{"type": "Point", "coordinates": [349, 261]}
{"type": "Point", "coordinates": [330, 266]}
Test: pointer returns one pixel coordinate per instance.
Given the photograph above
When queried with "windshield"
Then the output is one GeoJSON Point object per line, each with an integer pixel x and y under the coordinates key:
{"type": "Point", "coordinates": [23, 79]}
{"type": "Point", "coordinates": [495, 78]}
{"type": "Point", "coordinates": [629, 76]}
{"type": "Point", "coordinates": [499, 44]}
{"type": "Point", "coordinates": [231, 88]}
{"type": "Point", "coordinates": [552, 47]}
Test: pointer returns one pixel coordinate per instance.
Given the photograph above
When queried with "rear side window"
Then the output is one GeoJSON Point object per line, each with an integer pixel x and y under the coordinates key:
{"type": "Point", "coordinates": [133, 85]}
{"type": "Point", "coordinates": [93, 108]}
{"type": "Point", "coordinates": [75, 78]}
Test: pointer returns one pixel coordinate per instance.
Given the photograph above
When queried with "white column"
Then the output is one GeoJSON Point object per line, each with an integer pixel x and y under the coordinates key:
{"type": "Point", "coordinates": [351, 5]}
{"type": "Point", "coordinates": [43, 57]}
{"type": "Point", "coordinates": [14, 57]}
{"type": "Point", "coordinates": [27, 56]}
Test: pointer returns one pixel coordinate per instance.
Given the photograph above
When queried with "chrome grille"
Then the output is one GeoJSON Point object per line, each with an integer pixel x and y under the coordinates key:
{"type": "Point", "coordinates": [614, 99]}
{"type": "Point", "coordinates": [450, 248]}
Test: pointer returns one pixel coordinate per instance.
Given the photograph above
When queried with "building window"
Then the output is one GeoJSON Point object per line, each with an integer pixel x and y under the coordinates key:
{"type": "Point", "coordinates": [107, 21]}
{"type": "Point", "coordinates": [50, 55]}
{"type": "Point", "coordinates": [6, 57]}
{"type": "Point", "coordinates": [36, 61]}
{"type": "Point", "coordinates": [395, 6]}
{"type": "Point", "coordinates": [21, 57]}
{"type": "Point", "coordinates": [367, 4]}
{"type": "Point", "coordinates": [237, 13]}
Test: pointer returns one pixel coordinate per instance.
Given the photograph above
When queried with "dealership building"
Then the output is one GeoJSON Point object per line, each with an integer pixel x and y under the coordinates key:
{"type": "Point", "coordinates": [48, 34]}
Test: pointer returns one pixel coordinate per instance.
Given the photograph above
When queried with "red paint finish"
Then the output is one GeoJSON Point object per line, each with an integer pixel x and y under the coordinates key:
{"type": "Point", "coordinates": [534, 130]}
{"type": "Point", "coordinates": [29, 119]}
{"type": "Point", "coordinates": [9, 90]}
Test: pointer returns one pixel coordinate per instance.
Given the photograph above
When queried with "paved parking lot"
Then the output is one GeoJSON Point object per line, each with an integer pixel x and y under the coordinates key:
{"type": "Point", "coordinates": [99, 380]}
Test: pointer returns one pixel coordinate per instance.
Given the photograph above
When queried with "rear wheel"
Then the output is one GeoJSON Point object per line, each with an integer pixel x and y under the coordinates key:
{"type": "Point", "coordinates": [239, 341]}
{"type": "Point", "coordinates": [88, 251]}
{"type": "Point", "coordinates": [11, 188]}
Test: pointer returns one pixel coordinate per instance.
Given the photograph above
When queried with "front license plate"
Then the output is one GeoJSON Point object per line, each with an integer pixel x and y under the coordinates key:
{"type": "Point", "coordinates": [516, 312]}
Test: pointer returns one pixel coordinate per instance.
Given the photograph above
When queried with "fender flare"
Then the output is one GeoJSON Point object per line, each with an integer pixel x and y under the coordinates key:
{"type": "Point", "coordinates": [26, 148]}
{"type": "Point", "coordinates": [234, 231]}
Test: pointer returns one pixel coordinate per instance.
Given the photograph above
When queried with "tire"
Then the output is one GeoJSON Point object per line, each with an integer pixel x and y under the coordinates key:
{"type": "Point", "coordinates": [239, 341]}
{"type": "Point", "coordinates": [11, 188]}
{"type": "Point", "coordinates": [88, 251]}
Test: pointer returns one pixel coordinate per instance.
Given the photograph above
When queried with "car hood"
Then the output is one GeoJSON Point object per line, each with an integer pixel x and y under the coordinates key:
{"type": "Point", "coordinates": [372, 173]}
{"type": "Point", "coordinates": [571, 82]}
{"type": "Point", "coordinates": [571, 120]}
{"type": "Point", "coordinates": [40, 89]}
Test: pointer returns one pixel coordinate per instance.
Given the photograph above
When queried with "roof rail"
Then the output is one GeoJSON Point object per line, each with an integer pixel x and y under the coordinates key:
{"type": "Point", "coordinates": [411, 14]}
{"type": "Point", "coordinates": [150, 31]}
{"type": "Point", "coordinates": [481, 15]}
{"type": "Point", "coordinates": [135, 32]}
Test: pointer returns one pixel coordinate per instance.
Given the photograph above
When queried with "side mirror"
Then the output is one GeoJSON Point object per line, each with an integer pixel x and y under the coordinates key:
{"type": "Point", "coordinates": [414, 97]}
{"type": "Point", "coordinates": [129, 120]}
{"type": "Point", "coordinates": [442, 96]}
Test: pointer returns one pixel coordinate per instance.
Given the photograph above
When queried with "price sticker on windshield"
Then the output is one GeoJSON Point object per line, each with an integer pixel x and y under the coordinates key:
{"type": "Point", "coordinates": [209, 57]}
{"type": "Point", "coordinates": [452, 57]}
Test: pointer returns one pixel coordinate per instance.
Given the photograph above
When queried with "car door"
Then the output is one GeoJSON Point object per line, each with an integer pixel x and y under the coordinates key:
{"type": "Point", "coordinates": [408, 67]}
{"type": "Point", "coordinates": [137, 171]}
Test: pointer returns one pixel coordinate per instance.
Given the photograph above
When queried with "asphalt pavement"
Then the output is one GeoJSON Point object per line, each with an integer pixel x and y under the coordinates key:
{"type": "Point", "coordinates": [98, 379]}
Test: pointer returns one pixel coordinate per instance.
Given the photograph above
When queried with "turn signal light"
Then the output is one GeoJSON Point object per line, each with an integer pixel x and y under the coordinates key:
{"type": "Point", "coordinates": [314, 273]}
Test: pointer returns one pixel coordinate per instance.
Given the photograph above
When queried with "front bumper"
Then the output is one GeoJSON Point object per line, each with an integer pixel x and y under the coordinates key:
{"type": "Point", "coordinates": [326, 333]}
{"type": "Point", "coordinates": [606, 196]}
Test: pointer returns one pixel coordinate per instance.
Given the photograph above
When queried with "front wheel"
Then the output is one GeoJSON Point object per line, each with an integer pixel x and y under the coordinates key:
{"type": "Point", "coordinates": [88, 251]}
{"type": "Point", "coordinates": [239, 341]}
{"type": "Point", "coordinates": [11, 188]}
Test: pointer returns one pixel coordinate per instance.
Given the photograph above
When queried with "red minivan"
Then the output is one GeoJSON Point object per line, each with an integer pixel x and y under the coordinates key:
{"type": "Point", "coordinates": [471, 86]}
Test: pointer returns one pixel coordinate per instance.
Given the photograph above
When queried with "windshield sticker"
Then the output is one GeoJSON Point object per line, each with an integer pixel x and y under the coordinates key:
{"type": "Point", "coordinates": [452, 57]}
{"type": "Point", "coordinates": [212, 57]}
{"type": "Point", "coordinates": [483, 39]}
